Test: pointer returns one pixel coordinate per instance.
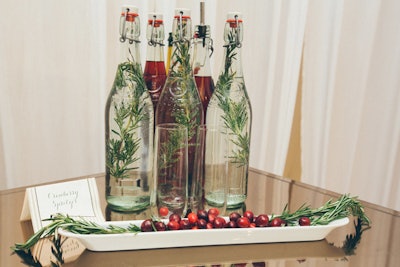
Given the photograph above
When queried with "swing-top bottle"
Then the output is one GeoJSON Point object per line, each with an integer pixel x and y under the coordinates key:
{"type": "Point", "coordinates": [230, 110]}
{"type": "Point", "coordinates": [129, 125]}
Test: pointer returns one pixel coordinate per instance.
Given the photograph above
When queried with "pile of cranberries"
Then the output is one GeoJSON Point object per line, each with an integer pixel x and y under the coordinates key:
{"type": "Point", "coordinates": [211, 219]}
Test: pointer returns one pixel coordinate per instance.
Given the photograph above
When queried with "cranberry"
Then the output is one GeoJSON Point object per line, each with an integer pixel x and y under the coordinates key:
{"type": "Point", "coordinates": [304, 221]}
{"type": "Point", "coordinates": [233, 216]}
{"type": "Point", "coordinates": [231, 224]}
{"type": "Point", "coordinates": [173, 225]}
{"type": "Point", "coordinates": [175, 217]}
{"type": "Point", "coordinates": [160, 226]}
{"type": "Point", "coordinates": [202, 214]}
{"type": "Point", "coordinates": [163, 211]}
{"type": "Point", "coordinates": [249, 215]}
{"type": "Point", "coordinates": [213, 211]}
{"type": "Point", "coordinates": [219, 222]}
{"type": "Point", "coordinates": [202, 224]}
{"type": "Point", "coordinates": [147, 226]}
{"type": "Point", "coordinates": [192, 217]}
{"type": "Point", "coordinates": [211, 218]}
{"type": "Point", "coordinates": [243, 222]}
{"type": "Point", "coordinates": [209, 226]}
{"type": "Point", "coordinates": [276, 222]}
{"type": "Point", "coordinates": [184, 224]}
{"type": "Point", "coordinates": [262, 220]}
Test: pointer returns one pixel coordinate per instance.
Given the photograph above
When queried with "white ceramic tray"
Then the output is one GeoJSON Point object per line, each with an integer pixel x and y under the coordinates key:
{"type": "Point", "coordinates": [200, 237]}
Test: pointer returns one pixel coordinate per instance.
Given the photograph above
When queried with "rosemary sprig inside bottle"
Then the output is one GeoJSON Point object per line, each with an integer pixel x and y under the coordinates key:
{"type": "Point", "coordinates": [181, 76]}
{"type": "Point", "coordinates": [234, 117]}
{"type": "Point", "coordinates": [129, 112]}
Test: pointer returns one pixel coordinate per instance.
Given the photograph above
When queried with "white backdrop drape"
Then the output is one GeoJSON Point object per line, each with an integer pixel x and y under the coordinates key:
{"type": "Point", "coordinates": [58, 60]}
{"type": "Point", "coordinates": [351, 112]}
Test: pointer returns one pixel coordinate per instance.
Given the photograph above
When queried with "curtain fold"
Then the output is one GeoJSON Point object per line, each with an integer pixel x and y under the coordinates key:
{"type": "Point", "coordinates": [351, 94]}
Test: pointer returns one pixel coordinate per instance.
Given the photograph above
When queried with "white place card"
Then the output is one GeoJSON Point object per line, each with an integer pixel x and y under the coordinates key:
{"type": "Point", "coordinates": [79, 198]}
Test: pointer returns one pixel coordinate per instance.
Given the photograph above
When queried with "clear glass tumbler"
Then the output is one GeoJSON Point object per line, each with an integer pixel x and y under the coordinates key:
{"type": "Point", "coordinates": [216, 180]}
{"type": "Point", "coordinates": [171, 168]}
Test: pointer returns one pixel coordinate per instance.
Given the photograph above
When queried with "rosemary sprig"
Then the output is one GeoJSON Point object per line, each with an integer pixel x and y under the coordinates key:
{"type": "Point", "coordinates": [170, 149]}
{"type": "Point", "coordinates": [76, 226]}
{"type": "Point", "coordinates": [129, 112]}
{"type": "Point", "coordinates": [234, 115]}
{"type": "Point", "coordinates": [330, 211]}
{"type": "Point", "coordinates": [352, 240]}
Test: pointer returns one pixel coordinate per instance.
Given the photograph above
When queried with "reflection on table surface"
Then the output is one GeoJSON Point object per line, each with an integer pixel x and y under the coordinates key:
{"type": "Point", "coordinates": [345, 246]}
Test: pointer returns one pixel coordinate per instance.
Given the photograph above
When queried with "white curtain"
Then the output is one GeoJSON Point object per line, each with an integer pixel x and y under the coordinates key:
{"type": "Point", "coordinates": [58, 61]}
{"type": "Point", "coordinates": [351, 112]}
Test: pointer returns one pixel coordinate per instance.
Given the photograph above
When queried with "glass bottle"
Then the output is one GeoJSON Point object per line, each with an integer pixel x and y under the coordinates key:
{"type": "Point", "coordinates": [230, 108]}
{"type": "Point", "coordinates": [202, 51]}
{"type": "Point", "coordinates": [179, 101]}
{"type": "Point", "coordinates": [129, 125]}
{"type": "Point", "coordinates": [154, 70]}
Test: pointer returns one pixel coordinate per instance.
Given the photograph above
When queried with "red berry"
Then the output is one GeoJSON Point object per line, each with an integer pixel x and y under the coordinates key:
{"type": "Point", "coordinates": [233, 216]}
{"type": "Point", "coordinates": [276, 222]}
{"type": "Point", "coordinates": [184, 224]}
{"type": "Point", "coordinates": [163, 211]}
{"type": "Point", "coordinates": [209, 226]}
{"type": "Point", "coordinates": [173, 225]}
{"type": "Point", "coordinates": [262, 220]}
{"type": "Point", "coordinates": [243, 222]}
{"type": "Point", "coordinates": [175, 217]}
{"type": "Point", "coordinates": [202, 214]}
{"type": "Point", "coordinates": [160, 226]}
{"type": "Point", "coordinates": [211, 218]}
{"type": "Point", "coordinates": [304, 221]}
{"type": "Point", "coordinates": [147, 226]}
{"type": "Point", "coordinates": [192, 217]}
{"type": "Point", "coordinates": [213, 211]}
{"type": "Point", "coordinates": [231, 224]}
{"type": "Point", "coordinates": [202, 224]}
{"type": "Point", "coordinates": [249, 215]}
{"type": "Point", "coordinates": [219, 222]}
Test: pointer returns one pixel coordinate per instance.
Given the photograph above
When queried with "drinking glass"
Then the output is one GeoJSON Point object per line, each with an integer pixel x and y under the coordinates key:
{"type": "Point", "coordinates": [171, 168]}
{"type": "Point", "coordinates": [216, 168]}
{"type": "Point", "coordinates": [196, 190]}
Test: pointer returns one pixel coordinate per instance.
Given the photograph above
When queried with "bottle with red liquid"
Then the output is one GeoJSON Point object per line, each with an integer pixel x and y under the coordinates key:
{"type": "Point", "coordinates": [202, 51]}
{"type": "Point", "coordinates": [154, 70]}
{"type": "Point", "coordinates": [179, 101]}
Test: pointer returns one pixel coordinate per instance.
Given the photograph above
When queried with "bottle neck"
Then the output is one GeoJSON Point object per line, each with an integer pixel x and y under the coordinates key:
{"type": "Point", "coordinates": [129, 52]}
{"type": "Point", "coordinates": [155, 53]}
{"type": "Point", "coordinates": [202, 51]}
{"type": "Point", "coordinates": [180, 59]}
{"type": "Point", "coordinates": [232, 62]}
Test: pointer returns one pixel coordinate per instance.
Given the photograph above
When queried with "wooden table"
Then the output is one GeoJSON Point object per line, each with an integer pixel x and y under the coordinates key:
{"type": "Point", "coordinates": [379, 246]}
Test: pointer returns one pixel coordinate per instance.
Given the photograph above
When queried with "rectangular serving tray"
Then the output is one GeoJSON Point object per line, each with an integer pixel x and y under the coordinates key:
{"type": "Point", "coordinates": [200, 237]}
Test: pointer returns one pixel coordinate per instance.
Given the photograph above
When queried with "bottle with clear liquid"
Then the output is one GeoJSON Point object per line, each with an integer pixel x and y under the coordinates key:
{"type": "Point", "coordinates": [230, 109]}
{"type": "Point", "coordinates": [179, 101]}
{"type": "Point", "coordinates": [154, 70]}
{"type": "Point", "coordinates": [129, 125]}
{"type": "Point", "coordinates": [202, 51]}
